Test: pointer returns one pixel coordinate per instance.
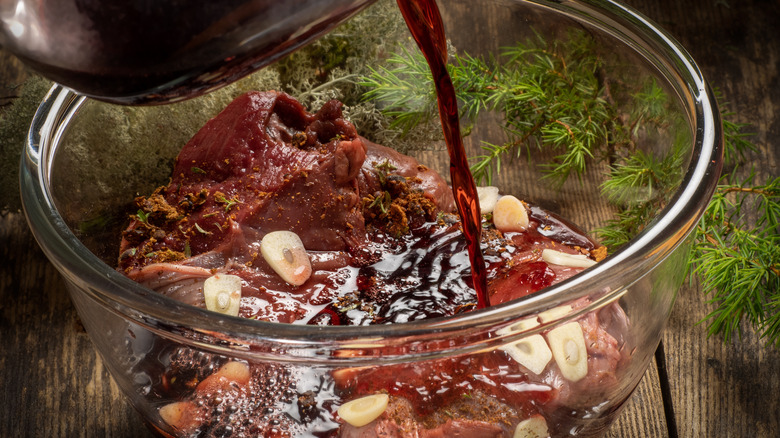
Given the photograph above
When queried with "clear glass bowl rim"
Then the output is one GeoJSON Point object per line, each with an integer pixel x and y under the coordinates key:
{"type": "Point", "coordinates": [170, 318]}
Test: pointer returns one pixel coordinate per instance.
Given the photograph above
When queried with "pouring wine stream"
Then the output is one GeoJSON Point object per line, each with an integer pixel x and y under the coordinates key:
{"type": "Point", "coordinates": [425, 23]}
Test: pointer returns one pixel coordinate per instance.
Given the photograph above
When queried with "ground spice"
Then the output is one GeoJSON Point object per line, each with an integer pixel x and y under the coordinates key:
{"type": "Point", "coordinates": [157, 209]}
{"type": "Point", "coordinates": [397, 207]}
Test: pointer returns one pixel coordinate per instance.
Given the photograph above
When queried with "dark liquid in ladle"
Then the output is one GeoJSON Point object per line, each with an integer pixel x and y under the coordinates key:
{"type": "Point", "coordinates": [425, 24]}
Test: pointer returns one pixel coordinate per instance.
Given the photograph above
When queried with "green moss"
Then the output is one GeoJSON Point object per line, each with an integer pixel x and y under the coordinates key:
{"type": "Point", "coordinates": [14, 123]}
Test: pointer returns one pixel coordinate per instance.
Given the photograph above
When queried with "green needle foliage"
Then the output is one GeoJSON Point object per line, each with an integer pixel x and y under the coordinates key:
{"type": "Point", "coordinates": [558, 96]}
{"type": "Point", "coordinates": [547, 100]}
{"type": "Point", "coordinates": [404, 87]}
{"type": "Point", "coordinates": [737, 250]}
{"type": "Point", "coordinates": [737, 257]}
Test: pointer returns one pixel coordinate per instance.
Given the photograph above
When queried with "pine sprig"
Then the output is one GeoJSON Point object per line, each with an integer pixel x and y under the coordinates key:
{"type": "Point", "coordinates": [737, 259]}
{"type": "Point", "coordinates": [640, 186]}
{"type": "Point", "coordinates": [403, 88]}
{"type": "Point", "coordinates": [736, 144]}
{"type": "Point", "coordinates": [549, 96]}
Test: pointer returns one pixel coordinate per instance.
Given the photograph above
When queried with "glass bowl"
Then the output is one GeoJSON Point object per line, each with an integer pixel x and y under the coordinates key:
{"type": "Point", "coordinates": [86, 161]}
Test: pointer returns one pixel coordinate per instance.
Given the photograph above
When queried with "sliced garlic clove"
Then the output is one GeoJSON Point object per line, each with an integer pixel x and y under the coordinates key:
{"type": "Point", "coordinates": [564, 259]}
{"type": "Point", "coordinates": [364, 410]}
{"type": "Point", "coordinates": [568, 348]}
{"type": "Point", "coordinates": [488, 196]}
{"type": "Point", "coordinates": [534, 427]}
{"type": "Point", "coordinates": [510, 214]}
{"type": "Point", "coordinates": [531, 352]}
{"type": "Point", "coordinates": [520, 326]}
{"type": "Point", "coordinates": [222, 293]}
{"type": "Point", "coordinates": [284, 251]}
{"type": "Point", "coordinates": [554, 314]}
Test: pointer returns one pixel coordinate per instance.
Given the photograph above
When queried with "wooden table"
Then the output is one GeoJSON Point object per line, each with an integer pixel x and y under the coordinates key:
{"type": "Point", "coordinates": [54, 384]}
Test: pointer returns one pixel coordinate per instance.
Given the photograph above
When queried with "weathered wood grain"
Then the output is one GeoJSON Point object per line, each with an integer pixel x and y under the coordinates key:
{"type": "Point", "coordinates": [53, 382]}
{"type": "Point", "coordinates": [730, 390]}
{"type": "Point", "coordinates": [643, 415]}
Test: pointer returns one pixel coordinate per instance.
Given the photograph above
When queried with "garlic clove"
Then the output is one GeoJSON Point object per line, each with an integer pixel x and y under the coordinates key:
{"type": "Point", "coordinates": [534, 427]}
{"type": "Point", "coordinates": [488, 196]}
{"type": "Point", "coordinates": [510, 214]}
{"type": "Point", "coordinates": [564, 259]}
{"type": "Point", "coordinates": [364, 410]}
{"type": "Point", "coordinates": [526, 324]}
{"type": "Point", "coordinates": [180, 415]}
{"type": "Point", "coordinates": [568, 348]}
{"type": "Point", "coordinates": [235, 371]}
{"type": "Point", "coordinates": [344, 376]}
{"type": "Point", "coordinates": [531, 352]}
{"type": "Point", "coordinates": [520, 326]}
{"type": "Point", "coordinates": [284, 252]}
{"type": "Point", "coordinates": [554, 314]}
{"type": "Point", "coordinates": [222, 293]}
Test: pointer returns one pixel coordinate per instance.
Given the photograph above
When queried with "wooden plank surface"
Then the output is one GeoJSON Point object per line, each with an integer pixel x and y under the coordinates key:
{"type": "Point", "coordinates": [733, 390]}
{"type": "Point", "coordinates": [54, 384]}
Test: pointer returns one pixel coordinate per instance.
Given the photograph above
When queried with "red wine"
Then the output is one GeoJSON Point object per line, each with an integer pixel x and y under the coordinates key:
{"type": "Point", "coordinates": [434, 255]}
{"type": "Point", "coordinates": [425, 24]}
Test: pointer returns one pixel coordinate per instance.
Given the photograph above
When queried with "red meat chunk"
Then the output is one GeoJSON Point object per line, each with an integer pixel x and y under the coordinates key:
{"type": "Point", "coordinates": [265, 164]}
